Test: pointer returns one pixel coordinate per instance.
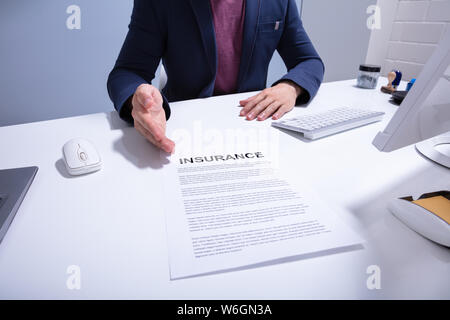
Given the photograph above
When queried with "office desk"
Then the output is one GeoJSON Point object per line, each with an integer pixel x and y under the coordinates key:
{"type": "Point", "coordinates": [112, 225]}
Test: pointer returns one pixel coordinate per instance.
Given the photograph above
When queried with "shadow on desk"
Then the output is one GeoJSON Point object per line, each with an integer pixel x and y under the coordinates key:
{"type": "Point", "coordinates": [372, 211]}
{"type": "Point", "coordinates": [282, 260]}
{"type": "Point", "coordinates": [134, 148]}
{"type": "Point", "coordinates": [137, 150]}
{"type": "Point", "coordinates": [294, 134]}
{"type": "Point", "coordinates": [115, 123]}
{"type": "Point", "coordinates": [62, 170]}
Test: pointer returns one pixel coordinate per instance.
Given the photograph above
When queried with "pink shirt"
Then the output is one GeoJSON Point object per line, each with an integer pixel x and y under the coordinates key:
{"type": "Point", "coordinates": [228, 16]}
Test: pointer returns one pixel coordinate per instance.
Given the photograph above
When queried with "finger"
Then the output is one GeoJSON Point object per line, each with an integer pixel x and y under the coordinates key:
{"type": "Point", "coordinates": [280, 112]}
{"type": "Point", "coordinates": [244, 102]}
{"type": "Point", "coordinates": [150, 125]}
{"type": "Point", "coordinates": [258, 108]}
{"type": "Point", "coordinates": [146, 134]}
{"type": "Point", "coordinates": [149, 98]}
{"type": "Point", "coordinates": [157, 100]}
{"type": "Point", "coordinates": [153, 106]}
{"type": "Point", "coordinates": [159, 140]}
{"type": "Point", "coordinates": [168, 145]}
{"type": "Point", "coordinates": [269, 111]}
{"type": "Point", "coordinates": [143, 97]}
{"type": "Point", "coordinates": [165, 144]}
{"type": "Point", "coordinates": [258, 98]}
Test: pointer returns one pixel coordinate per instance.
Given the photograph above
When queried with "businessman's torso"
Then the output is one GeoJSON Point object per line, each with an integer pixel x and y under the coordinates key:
{"type": "Point", "coordinates": [190, 54]}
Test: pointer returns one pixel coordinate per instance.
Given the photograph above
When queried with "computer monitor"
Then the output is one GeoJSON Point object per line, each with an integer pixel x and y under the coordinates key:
{"type": "Point", "coordinates": [425, 112]}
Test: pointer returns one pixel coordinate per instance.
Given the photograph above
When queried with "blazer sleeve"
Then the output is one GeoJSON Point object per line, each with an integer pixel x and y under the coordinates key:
{"type": "Point", "coordinates": [140, 55]}
{"type": "Point", "coordinates": [305, 67]}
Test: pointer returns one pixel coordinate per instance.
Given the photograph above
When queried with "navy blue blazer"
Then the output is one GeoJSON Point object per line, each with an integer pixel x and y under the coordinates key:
{"type": "Point", "coordinates": [181, 33]}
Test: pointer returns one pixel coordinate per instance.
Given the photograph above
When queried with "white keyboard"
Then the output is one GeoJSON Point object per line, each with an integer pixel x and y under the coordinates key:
{"type": "Point", "coordinates": [326, 123]}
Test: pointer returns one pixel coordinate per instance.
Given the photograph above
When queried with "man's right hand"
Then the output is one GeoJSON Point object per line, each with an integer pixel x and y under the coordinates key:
{"type": "Point", "coordinates": [150, 117]}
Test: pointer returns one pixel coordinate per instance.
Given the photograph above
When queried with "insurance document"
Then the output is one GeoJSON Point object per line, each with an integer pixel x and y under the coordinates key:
{"type": "Point", "coordinates": [229, 211]}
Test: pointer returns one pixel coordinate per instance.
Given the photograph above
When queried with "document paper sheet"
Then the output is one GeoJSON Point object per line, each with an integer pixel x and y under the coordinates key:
{"type": "Point", "coordinates": [233, 211]}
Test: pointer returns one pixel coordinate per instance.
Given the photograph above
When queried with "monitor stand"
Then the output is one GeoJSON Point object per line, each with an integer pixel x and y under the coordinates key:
{"type": "Point", "coordinates": [428, 148]}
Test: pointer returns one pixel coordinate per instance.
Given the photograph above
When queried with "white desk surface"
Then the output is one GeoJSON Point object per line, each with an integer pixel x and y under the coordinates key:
{"type": "Point", "coordinates": [112, 225]}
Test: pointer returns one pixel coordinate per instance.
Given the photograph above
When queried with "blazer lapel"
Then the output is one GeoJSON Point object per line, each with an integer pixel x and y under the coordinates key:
{"type": "Point", "coordinates": [202, 11]}
{"type": "Point", "coordinates": [248, 40]}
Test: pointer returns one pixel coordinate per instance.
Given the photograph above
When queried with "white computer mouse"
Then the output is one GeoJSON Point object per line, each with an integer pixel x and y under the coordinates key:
{"type": "Point", "coordinates": [81, 157]}
{"type": "Point", "coordinates": [422, 221]}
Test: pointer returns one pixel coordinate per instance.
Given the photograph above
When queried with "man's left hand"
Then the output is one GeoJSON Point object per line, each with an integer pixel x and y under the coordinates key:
{"type": "Point", "coordinates": [271, 102]}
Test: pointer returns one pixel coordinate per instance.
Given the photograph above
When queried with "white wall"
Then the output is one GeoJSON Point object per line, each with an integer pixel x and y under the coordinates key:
{"type": "Point", "coordinates": [411, 30]}
{"type": "Point", "coordinates": [49, 71]}
{"type": "Point", "coordinates": [338, 30]}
